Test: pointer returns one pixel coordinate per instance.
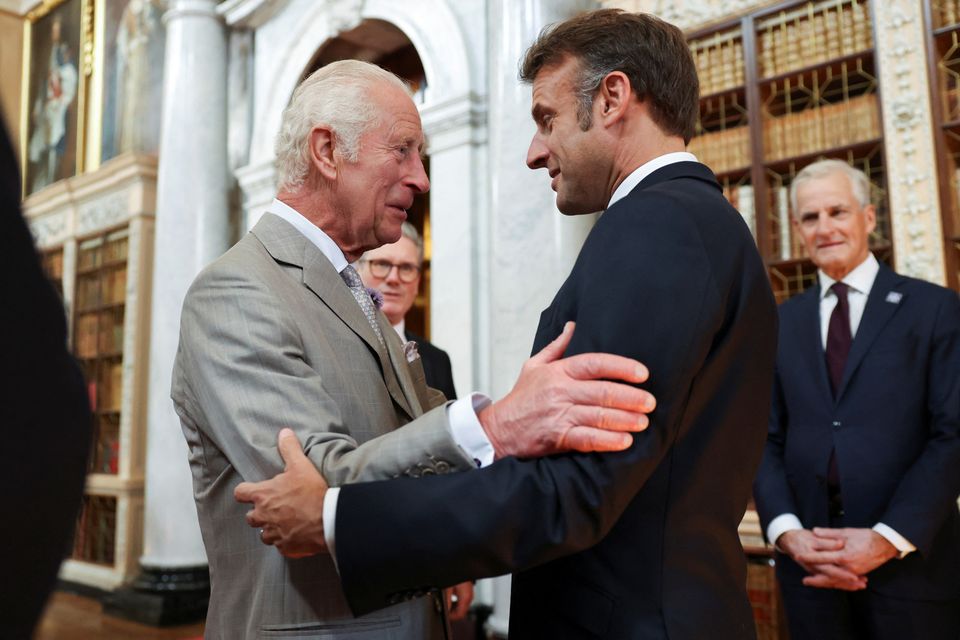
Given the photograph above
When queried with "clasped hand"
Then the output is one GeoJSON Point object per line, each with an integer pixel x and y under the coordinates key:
{"type": "Point", "coordinates": [837, 558]}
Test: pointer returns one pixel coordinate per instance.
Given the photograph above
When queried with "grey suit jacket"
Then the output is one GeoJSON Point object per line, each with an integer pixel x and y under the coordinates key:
{"type": "Point", "coordinates": [271, 337]}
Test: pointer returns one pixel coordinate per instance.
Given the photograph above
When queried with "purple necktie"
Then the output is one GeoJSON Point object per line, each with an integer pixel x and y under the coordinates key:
{"type": "Point", "coordinates": [839, 340]}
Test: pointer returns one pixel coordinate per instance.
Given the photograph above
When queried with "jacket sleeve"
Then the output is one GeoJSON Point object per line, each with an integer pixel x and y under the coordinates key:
{"type": "Point", "coordinates": [928, 491]}
{"type": "Point", "coordinates": [242, 375]}
{"type": "Point", "coordinates": [771, 490]}
{"type": "Point", "coordinates": [519, 513]}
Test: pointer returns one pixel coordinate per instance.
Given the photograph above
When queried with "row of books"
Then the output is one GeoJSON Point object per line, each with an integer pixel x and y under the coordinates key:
{"type": "Point", "coordinates": [786, 240]}
{"type": "Point", "coordinates": [106, 389]}
{"type": "Point", "coordinates": [96, 530]}
{"type": "Point", "coordinates": [822, 127]}
{"type": "Point", "coordinates": [95, 252]}
{"type": "Point", "coordinates": [106, 448]}
{"type": "Point", "coordinates": [946, 12]}
{"type": "Point", "coordinates": [719, 64]}
{"type": "Point", "coordinates": [813, 36]}
{"type": "Point", "coordinates": [105, 287]}
{"type": "Point", "coordinates": [951, 97]}
{"type": "Point", "coordinates": [723, 151]}
{"type": "Point", "coordinates": [98, 333]}
{"type": "Point", "coordinates": [741, 197]}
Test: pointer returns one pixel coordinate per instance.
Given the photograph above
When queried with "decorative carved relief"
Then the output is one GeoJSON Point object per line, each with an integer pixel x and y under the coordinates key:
{"type": "Point", "coordinates": [49, 230]}
{"type": "Point", "coordinates": [108, 211]}
{"type": "Point", "coordinates": [344, 14]}
{"type": "Point", "coordinates": [689, 14]}
{"type": "Point", "coordinates": [908, 135]}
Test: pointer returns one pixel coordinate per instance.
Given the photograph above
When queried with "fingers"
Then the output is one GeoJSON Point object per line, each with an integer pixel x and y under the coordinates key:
{"type": "Point", "coordinates": [592, 366]}
{"type": "Point", "coordinates": [554, 350]}
{"type": "Point", "coordinates": [821, 557]}
{"type": "Point", "coordinates": [586, 439]}
{"type": "Point", "coordinates": [833, 534]}
{"type": "Point", "coordinates": [830, 576]}
{"type": "Point", "coordinates": [607, 419]}
{"type": "Point", "coordinates": [245, 492]}
{"type": "Point", "coordinates": [290, 449]}
{"type": "Point", "coordinates": [613, 395]}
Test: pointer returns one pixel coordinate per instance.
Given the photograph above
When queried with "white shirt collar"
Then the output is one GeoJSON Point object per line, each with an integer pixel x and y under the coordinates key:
{"type": "Point", "coordinates": [400, 328]}
{"type": "Point", "coordinates": [313, 233]}
{"type": "Point", "coordinates": [646, 169]}
{"type": "Point", "coordinates": [860, 279]}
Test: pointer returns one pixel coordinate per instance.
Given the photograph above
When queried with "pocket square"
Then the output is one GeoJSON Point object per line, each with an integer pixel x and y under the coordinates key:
{"type": "Point", "coordinates": [410, 351]}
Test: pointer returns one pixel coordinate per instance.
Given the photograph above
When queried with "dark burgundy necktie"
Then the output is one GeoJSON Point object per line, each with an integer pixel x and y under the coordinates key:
{"type": "Point", "coordinates": [839, 340]}
{"type": "Point", "coordinates": [838, 336]}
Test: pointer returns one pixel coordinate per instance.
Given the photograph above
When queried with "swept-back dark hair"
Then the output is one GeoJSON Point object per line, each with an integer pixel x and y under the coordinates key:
{"type": "Point", "coordinates": [652, 53]}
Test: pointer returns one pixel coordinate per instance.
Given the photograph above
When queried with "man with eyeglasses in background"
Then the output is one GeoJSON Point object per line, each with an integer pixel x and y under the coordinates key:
{"type": "Point", "coordinates": [394, 270]}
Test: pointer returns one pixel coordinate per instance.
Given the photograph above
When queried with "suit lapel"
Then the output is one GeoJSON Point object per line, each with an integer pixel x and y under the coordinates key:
{"type": "Point", "coordinates": [810, 343]}
{"type": "Point", "coordinates": [288, 245]}
{"type": "Point", "coordinates": [400, 366]}
{"type": "Point", "coordinates": [875, 317]}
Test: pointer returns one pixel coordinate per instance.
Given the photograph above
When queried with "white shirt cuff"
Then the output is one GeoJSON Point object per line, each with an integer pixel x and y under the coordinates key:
{"type": "Point", "coordinates": [466, 430]}
{"type": "Point", "coordinates": [902, 544]}
{"type": "Point", "coordinates": [777, 527]}
{"type": "Point", "coordinates": [330, 521]}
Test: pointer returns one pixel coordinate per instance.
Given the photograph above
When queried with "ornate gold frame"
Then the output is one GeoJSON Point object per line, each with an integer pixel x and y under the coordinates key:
{"type": "Point", "coordinates": [84, 71]}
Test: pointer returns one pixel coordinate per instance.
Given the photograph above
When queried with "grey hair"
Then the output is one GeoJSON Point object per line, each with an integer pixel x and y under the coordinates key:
{"type": "Point", "coordinates": [409, 231]}
{"type": "Point", "coordinates": [338, 96]}
{"type": "Point", "coordinates": [859, 182]}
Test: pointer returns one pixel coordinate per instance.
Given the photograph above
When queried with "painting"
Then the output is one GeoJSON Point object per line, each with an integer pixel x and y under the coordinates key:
{"type": "Point", "coordinates": [133, 51]}
{"type": "Point", "coordinates": [54, 95]}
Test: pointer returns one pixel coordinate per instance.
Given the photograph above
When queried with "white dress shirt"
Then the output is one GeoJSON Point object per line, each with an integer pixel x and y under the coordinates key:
{"type": "Point", "coordinates": [860, 282]}
{"type": "Point", "coordinates": [465, 427]}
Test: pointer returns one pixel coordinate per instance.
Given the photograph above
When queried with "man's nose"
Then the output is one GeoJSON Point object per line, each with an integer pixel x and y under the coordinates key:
{"type": "Point", "coordinates": [393, 276]}
{"type": "Point", "coordinates": [418, 180]}
{"type": "Point", "coordinates": [537, 154]}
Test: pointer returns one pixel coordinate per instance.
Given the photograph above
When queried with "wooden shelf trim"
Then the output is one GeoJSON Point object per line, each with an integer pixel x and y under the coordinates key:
{"type": "Point", "coordinates": [867, 54]}
{"type": "Point", "coordinates": [857, 148]}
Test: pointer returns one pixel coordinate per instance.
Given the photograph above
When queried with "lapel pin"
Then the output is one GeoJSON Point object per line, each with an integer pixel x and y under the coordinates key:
{"type": "Point", "coordinates": [894, 297]}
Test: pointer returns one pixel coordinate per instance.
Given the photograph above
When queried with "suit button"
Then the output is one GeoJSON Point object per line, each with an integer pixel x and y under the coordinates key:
{"type": "Point", "coordinates": [837, 424]}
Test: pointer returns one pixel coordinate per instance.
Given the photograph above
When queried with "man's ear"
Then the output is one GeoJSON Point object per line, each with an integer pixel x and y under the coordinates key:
{"type": "Point", "coordinates": [322, 151]}
{"type": "Point", "coordinates": [614, 97]}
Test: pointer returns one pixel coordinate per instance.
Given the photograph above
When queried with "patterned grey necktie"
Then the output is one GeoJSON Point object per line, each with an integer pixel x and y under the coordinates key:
{"type": "Point", "coordinates": [352, 278]}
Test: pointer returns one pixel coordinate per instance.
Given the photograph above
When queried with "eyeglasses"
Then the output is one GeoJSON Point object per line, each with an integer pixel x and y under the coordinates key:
{"type": "Point", "coordinates": [406, 271]}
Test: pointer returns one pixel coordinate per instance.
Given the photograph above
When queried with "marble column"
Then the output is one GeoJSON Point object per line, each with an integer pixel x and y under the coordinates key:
{"type": "Point", "coordinates": [191, 230]}
{"type": "Point", "coordinates": [531, 246]}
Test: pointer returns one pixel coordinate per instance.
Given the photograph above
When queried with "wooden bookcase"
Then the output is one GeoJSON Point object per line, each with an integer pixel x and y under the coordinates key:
{"type": "Point", "coordinates": [943, 48]}
{"type": "Point", "coordinates": [95, 232]}
{"type": "Point", "coordinates": [780, 88]}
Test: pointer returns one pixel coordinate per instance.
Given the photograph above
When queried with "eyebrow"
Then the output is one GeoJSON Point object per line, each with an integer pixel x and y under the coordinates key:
{"type": "Point", "coordinates": [538, 112]}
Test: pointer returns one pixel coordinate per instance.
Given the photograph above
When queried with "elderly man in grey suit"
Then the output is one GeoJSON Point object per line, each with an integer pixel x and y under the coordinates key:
{"type": "Point", "coordinates": [279, 332]}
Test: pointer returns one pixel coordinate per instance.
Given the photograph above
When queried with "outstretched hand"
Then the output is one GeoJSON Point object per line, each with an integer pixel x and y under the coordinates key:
{"type": "Point", "coordinates": [569, 404]}
{"type": "Point", "coordinates": [288, 509]}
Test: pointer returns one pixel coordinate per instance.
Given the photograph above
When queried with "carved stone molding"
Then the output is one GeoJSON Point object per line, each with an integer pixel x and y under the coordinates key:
{"type": "Point", "coordinates": [908, 135]}
{"type": "Point", "coordinates": [50, 230]}
{"type": "Point", "coordinates": [688, 14]}
{"type": "Point", "coordinates": [107, 211]}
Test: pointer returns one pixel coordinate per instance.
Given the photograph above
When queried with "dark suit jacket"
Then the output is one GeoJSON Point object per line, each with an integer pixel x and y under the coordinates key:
{"type": "Point", "coordinates": [895, 427]}
{"type": "Point", "coordinates": [436, 365]}
{"type": "Point", "coordinates": [637, 544]}
{"type": "Point", "coordinates": [45, 416]}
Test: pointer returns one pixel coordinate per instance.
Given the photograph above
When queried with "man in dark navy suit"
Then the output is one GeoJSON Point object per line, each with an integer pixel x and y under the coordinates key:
{"type": "Point", "coordinates": [859, 480]}
{"type": "Point", "coordinates": [394, 270]}
{"type": "Point", "coordinates": [641, 543]}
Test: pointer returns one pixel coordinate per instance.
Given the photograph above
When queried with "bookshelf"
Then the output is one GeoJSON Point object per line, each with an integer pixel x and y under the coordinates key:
{"type": "Point", "coordinates": [95, 232]}
{"type": "Point", "coordinates": [780, 88]}
{"type": "Point", "coordinates": [942, 19]}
